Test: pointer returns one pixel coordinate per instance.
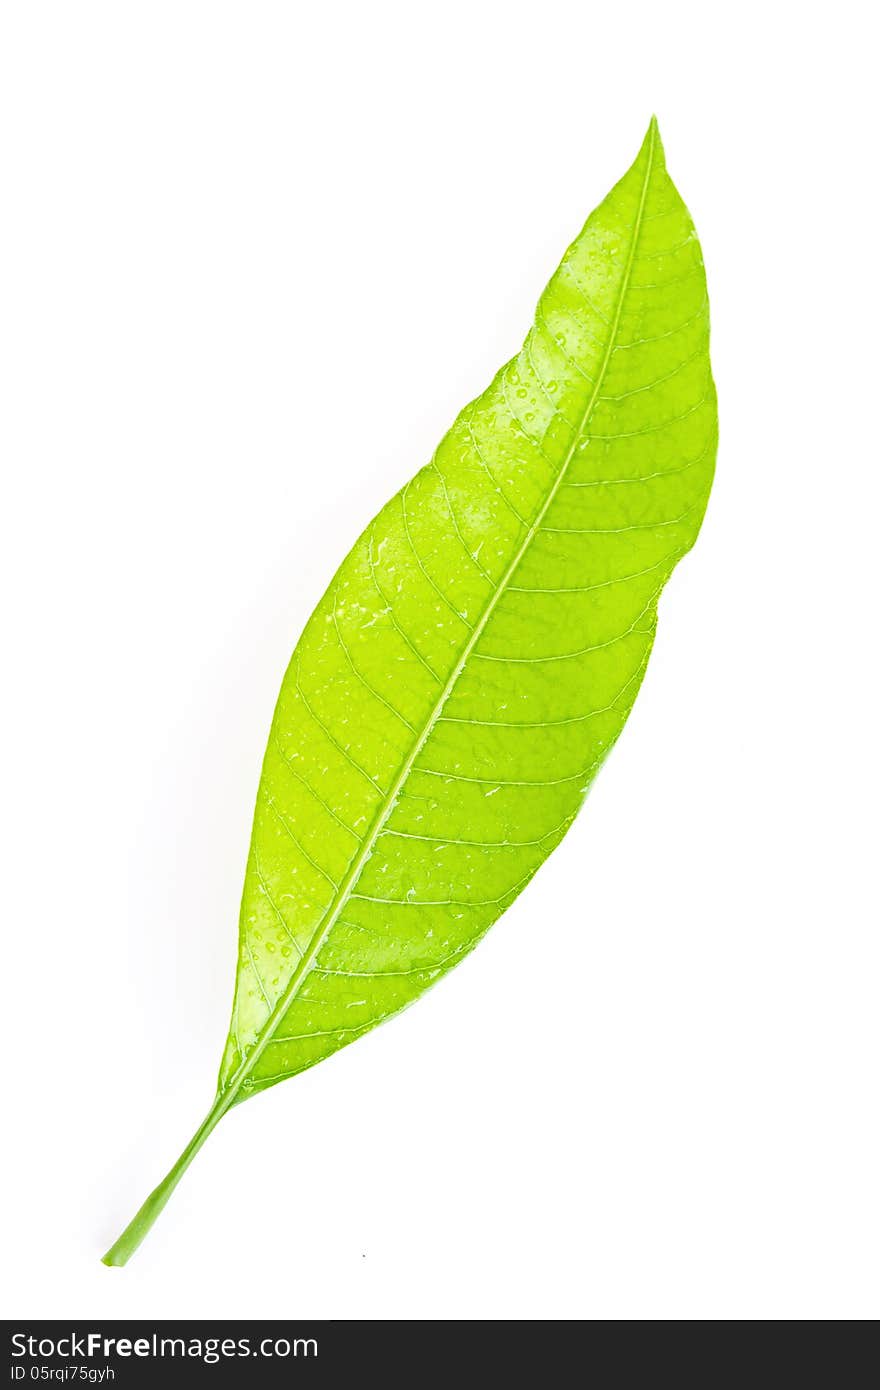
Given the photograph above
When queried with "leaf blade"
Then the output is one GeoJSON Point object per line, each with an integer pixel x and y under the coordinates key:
{"type": "Point", "coordinates": [537, 522]}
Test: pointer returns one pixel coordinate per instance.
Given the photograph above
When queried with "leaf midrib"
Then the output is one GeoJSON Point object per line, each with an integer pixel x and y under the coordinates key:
{"type": "Point", "coordinates": [322, 931]}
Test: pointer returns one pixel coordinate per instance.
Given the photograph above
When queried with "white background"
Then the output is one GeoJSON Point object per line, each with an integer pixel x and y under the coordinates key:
{"type": "Point", "coordinates": [254, 259]}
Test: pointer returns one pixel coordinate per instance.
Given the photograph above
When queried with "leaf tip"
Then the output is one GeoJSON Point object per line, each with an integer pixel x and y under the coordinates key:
{"type": "Point", "coordinates": [652, 136]}
{"type": "Point", "coordinates": [652, 145]}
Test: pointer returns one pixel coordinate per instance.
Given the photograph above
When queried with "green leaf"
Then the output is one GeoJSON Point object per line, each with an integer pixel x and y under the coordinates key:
{"type": "Point", "coordinates": [477, 653]}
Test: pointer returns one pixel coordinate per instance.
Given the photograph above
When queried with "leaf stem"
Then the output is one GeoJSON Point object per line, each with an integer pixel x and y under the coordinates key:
{"type": "Point", "coordinates": [124, 1247]}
